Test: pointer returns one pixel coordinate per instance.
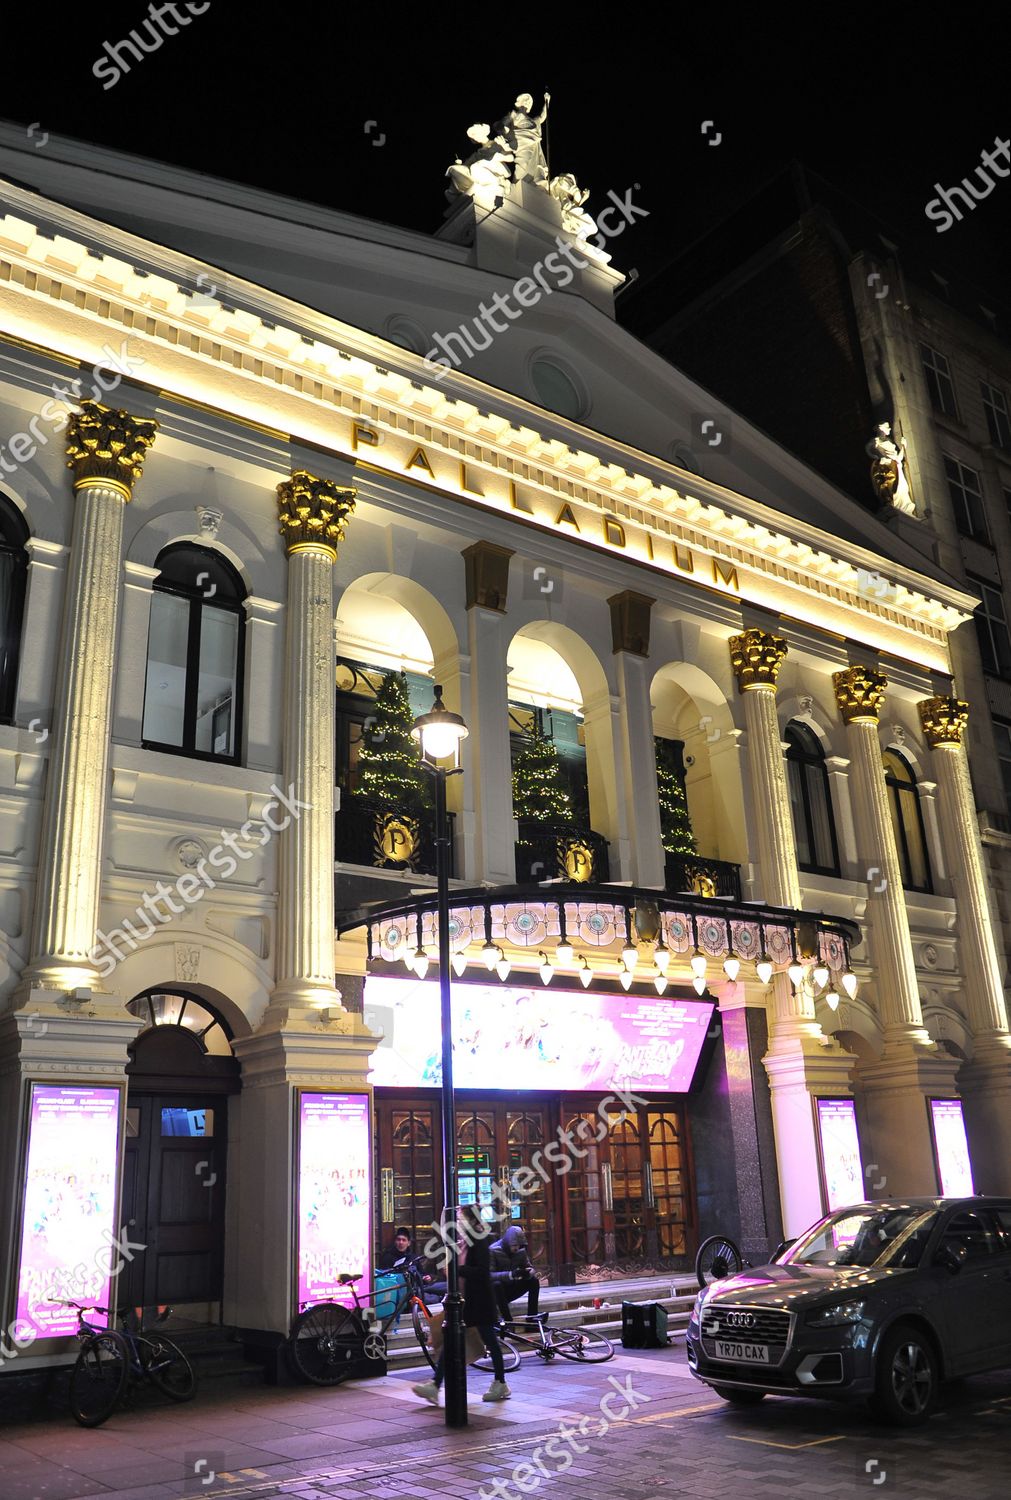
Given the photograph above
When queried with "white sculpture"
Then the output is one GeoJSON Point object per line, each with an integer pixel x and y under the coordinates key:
{"type": "Point", "coordinates": [485, 174]}
{"type": "Point", "coordinates": [522, 129]}
{"type": "Point", "coordinates": [888, 470]}
{"type": "Point", "coordinates": [570, 198]}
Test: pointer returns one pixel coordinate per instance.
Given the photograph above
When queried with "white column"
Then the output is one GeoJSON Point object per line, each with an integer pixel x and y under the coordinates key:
{"type": "Point", "coordinates": [313, 512]}
{"type": "Point", "coordinates": [106, 451]}
{"type": "Point", "coordinates": [638, 769]}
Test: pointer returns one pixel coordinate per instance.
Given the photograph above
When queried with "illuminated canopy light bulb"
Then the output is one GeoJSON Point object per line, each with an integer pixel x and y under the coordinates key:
{"type": "Point", "coordinates": [660, 980]}
{"type": "Point", "coordinates": [796, 972]}
{"type": "Point", "coordinates": [547, 972]}
{"type": "Point", "coordinates": [699, 984]}
{"type": "Point", "coordinates": [821, 975]}
{"type": "Point", "coordinates": [832, 1000]}
{"type": "Point", "coordinates": [565, 953]}
{"type": "Point", "coordinates": [763, 969]}
{"type": "Point", "coordinates": [661, 957]}
{"type": "Point", "coordinates": [503, 966]}
{"type": "Point", "coordinates": [731, 966]}
{"type": "Point", "coordinates": [420, 963]}
{"type": "Point", "coordinates": [626, 979]}
{"type": "Point", "coordinates": [697, 963]}
{"type": "Point", "coordinates": [585, 974]}
{"type": "Point", "coordinates": [490, 954]}
{"type": "Point", "coordinates": [459, 962]}
{"type": "Point", "coordinates": [630, 955]}
{"type": "Point", "coordinates": [849, 983]}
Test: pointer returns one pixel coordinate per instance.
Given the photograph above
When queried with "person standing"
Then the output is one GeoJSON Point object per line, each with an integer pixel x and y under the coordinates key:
{"type": "Point", "coordinates": [479, 1310]}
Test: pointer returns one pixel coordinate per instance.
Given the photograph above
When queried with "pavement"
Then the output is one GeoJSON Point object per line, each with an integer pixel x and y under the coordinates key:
{"type": "Point", "coordinates": [658, 1433]}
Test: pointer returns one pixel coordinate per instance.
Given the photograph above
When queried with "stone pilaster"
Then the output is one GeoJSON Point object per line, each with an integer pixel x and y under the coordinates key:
{"type": "Point", "coordinates": [986, 1083]}
{"type": "Point", "coordinates": [106, 451]}
{"type": "Point", "coordinates": [630, 630]}
{"type": "Point", "coordinates": [313, 514]}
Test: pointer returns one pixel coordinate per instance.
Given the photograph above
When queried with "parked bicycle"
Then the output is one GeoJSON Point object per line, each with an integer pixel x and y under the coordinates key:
{"type": "Point", "coordinates": [719, 1257]}
{"type": "Point", "coordinates": [582, 1345]}
{"type": "Point", "coordinates": [327, 1338]}
{"type": "Point", "coordinates": [110, 1358]}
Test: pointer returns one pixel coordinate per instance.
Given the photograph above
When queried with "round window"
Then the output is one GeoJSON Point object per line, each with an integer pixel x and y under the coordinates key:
{"type": "Point", "coordinates": [555, 389]}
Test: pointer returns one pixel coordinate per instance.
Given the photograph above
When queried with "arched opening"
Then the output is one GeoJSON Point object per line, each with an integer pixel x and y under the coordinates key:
{"type": "Point", "coordinates": [13, 577]}
{"type": "Point", "coordinates": [181, 1074]}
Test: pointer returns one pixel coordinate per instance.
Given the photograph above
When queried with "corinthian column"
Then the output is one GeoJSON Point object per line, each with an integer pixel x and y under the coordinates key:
{"type": "Point", "coordinates": [910, 1068]}
{"type": "Point", "coordinates": [105, 451]}
{"type": "Point", "coordinates": [313, 514]}
{"type": "Point", "coordinates": [986, 1083]}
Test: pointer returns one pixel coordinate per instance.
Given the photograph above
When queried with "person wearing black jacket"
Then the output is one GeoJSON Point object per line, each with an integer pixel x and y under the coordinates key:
{"type": "Point", "coordinates": [400, 1253]}
{"type": "Point", "coordinates": [510, 1254]}
{"type": "Point", "coordinates": [479, 1309]}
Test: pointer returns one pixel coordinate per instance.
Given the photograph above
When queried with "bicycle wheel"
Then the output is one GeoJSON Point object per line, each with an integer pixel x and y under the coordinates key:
{"type": "Point", "coordinates": [717, 1257]}
{"type": "Point", "coordinates": [167, 1367]}
{"type": "Point", "coordinates": [422, 1320]}
{"type": "Point", "coordinates": [99, 1377]}
{"type": "Point", "coordinates": [580, 1345]}
{"type": "Point", "coordinates": [510, 1357]}
{"type": "Point", "coordinates": [325, 1341]}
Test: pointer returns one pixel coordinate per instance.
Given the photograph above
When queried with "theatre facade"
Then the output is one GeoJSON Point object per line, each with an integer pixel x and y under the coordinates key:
{"type": "Point", "coordinates": [722, 946]}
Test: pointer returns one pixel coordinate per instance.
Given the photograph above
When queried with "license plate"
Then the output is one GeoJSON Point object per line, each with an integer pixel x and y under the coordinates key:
{"type": "Point", "coordinates": [754, 1354]}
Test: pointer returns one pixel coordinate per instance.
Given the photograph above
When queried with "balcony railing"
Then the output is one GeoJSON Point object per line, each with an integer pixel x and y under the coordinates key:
{"type": "Point", "coordinates": [366, 834]}
{"type": "Point", "coordinates": [692, 874]}
{"type": "Point", "coordinates": [559, 851]}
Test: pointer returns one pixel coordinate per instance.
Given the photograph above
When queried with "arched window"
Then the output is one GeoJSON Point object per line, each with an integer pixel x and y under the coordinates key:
{"type": "Point", "coordinates": [907, 821]}
{"type": "Point", "coordinates": [811, 800]}
{"type": "Point", "coordinates": [193, 693]}
{"type": "Point", "coordinates": [13, 574]}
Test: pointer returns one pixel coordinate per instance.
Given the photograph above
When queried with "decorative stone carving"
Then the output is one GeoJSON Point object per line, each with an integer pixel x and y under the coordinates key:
{"type": "Point", "coordinates": [570, 198]}
{"type": "Point", "coordinates": [313, 512]}
{"type": "Point", "coordinates": [888, 470]}
{"type": "Point", "coordinates": [858, 692]}
{"type": "Point", "coordinates": [209, 520]}
{"type": "Point", "coordinates": [485, 175]}
{"type": "Point", "coordinates": [806, 705]}
{"type": "Point", "coordinates": [107, 447]}
{"type": "Point", "coordinates": [943, 720]}
{"type": "Point", "coordinates": [189, 853]}
{"type": "Point", "coordinates": [756, 657]}
{"type": "Point", "coordinates": [187, 963]}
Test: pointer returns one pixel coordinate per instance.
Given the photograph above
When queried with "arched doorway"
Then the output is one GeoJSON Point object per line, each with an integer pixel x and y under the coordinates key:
{"type": "Point", "coordinates": [181, 1073]}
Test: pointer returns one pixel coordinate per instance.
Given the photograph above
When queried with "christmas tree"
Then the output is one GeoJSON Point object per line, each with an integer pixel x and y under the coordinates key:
{"type": "Point", "coordinates": [675, 824]}
{"type": "Point", "coordinates": [389, 766]}
{"type": "Point", "coordinates": [538, 784]}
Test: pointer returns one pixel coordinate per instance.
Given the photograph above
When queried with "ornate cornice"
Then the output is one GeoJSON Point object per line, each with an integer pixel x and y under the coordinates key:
{"type": "Point", "coordinates": [314, 512]}
{"type": "Point", "coordinates": [107, 447]}
{"type": "Point", "coordinates": [756, 657]}
{"type": "Point", "coordinates": [858, 692]}
{"type": "Point", "coordinates": [943, 720]}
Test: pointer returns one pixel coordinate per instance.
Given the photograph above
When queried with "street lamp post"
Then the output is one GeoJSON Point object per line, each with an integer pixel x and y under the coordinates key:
{"type": "Point", "coordinates": [439, 733]}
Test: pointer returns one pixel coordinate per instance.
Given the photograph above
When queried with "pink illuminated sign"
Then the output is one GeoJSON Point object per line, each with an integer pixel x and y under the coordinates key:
{"type": "Point", "coordinates": [69, 1229]}
{"type": "Point", "coordinates": [951, 1149]}
{"type": "Point", "coordinates": [518, 1037]}
{"type": "Point", "coordinates": [334, 1195]}
{"type": "Point", "coordinates": [840, 1153]}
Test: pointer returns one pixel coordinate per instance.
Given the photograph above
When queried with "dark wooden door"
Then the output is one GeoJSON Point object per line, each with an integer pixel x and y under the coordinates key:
{"type": "Point", "coordinates": [174, 1198]}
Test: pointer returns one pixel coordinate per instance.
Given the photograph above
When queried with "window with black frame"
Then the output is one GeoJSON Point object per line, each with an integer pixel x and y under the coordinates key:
{"type": "Point", "coordinates": [13, 575]}
{"type": "Point", "coordinates": [907, 821]}
{"type": "Point", "coordinates": [193, 690]}
{"type": "Point", "coordinates": [811, 801]}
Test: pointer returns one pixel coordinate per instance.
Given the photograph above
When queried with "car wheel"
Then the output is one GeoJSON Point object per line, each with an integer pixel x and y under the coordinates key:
{"type": "Point", "coordinates": [906, 1378]}
{"type": "Point", "coordinates": [739, 1397]}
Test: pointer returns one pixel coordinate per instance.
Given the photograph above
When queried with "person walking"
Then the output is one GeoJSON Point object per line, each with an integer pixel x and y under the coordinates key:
{"type": "Point", "coordinates": [479, 1310]}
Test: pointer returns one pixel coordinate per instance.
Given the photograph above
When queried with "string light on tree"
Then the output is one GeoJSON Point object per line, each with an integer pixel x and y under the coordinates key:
{"type": "Point", "coordinates": [538, 781]}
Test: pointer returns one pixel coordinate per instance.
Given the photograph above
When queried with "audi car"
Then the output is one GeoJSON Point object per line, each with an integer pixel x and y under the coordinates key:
{"type": "Point", "coordinates": [881, 1302]}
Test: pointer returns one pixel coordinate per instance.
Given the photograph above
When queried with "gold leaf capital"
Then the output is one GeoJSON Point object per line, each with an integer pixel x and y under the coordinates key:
{"type": "Point", "coordinates": [756, 657]}
{"type": "Point", "coordinates": [313, 512]}
{"type": "Point", "coordinates": [106, 446]}
{"type": "Point", "coordinates": [943, 720]}
{"type": "Point", "coordinates": [858, 692]}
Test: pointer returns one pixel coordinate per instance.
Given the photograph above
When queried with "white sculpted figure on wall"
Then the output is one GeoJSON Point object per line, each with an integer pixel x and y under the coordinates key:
{"type": "Point", "coordinates": [888, 470]}
{"type": "Point", "coordinates": [484, 176]}
{"type": "Point", "coordinates": [570, 198]}
{"type": "Point", "coordinates": [522, 129]}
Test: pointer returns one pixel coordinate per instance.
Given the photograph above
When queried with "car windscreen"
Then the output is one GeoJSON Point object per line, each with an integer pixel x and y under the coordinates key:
{"type": "Point", "coordinates": [865, 1237]}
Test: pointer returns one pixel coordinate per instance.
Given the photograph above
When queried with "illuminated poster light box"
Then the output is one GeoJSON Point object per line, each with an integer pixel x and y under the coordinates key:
{"type": "Point", "coordinates": [334, 1195]}
{"type": "Point", "coordinates": [529, 1037]}
{"type": "Point", "coordinates": [840, 1153]}
{"type": "Point", "coordinates": [951, 1149]}
{"type": "Point", "coordinates": [70, 1205]}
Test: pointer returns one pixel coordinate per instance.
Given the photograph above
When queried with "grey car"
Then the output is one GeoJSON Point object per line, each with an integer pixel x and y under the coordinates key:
{"type": "Point", "coordinates": [882, 1302]}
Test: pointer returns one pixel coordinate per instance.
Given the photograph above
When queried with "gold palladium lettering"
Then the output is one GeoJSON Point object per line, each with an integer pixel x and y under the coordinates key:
{"type": "Point", "coordinates": [725, 573]}
{"type": "Point", "coordinates": [361, 435]}
{"type": "Point", "coordinates": [566, 517]}
{"type": "Point", "coordinates": [419, 460]}
{"type": "Point", "coordinates": [614, 532]}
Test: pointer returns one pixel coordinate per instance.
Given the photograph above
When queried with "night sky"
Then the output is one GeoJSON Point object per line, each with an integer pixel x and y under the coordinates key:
{"type": "Point", "coordinates": [882, 102]}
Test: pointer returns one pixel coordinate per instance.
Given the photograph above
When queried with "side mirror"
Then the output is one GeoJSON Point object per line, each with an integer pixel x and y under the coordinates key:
{"type": "Point", "coordinates": [951, 1258]}
{"type": "Point", "coordinates": [783, 1247]}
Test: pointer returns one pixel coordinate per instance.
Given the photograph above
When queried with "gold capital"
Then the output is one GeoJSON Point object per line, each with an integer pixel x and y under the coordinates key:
{"type": "Point", "coordinates": [313, 512]}
{"type": "Point", "coordinates": [943, 720]}
{"type": "Point", "coordinates": [858, 692]}
{"type": "Point", "coordinates": [756, 657]}
{"type": "Point", "coordinates": [108, 447]}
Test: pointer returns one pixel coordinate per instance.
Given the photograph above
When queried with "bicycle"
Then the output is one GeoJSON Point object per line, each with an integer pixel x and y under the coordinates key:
{"type": "Point", "coordinates": [327, 1338]}
{"type": "Point", "coordinates": [577, 1344]}
{"type": "Point", "coordinates": [718, 1257]}
{"type": "Point", "coordinates": [111, 1357]}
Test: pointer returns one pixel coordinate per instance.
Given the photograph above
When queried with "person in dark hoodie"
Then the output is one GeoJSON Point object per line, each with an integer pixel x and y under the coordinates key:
{"type": "Point", "coordinates": [510, 1254]}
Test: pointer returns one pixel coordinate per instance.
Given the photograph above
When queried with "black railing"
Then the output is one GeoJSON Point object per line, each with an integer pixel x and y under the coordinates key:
{"type": "Point", "coordinates": [691, 874]}
{"type": "Point", "coordinates": [366, 834]}
{"type": "Point", "coordinates": [559, 851]}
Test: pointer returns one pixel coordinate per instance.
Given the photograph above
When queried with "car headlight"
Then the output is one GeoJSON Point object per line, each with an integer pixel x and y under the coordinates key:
{"type": "Point", "coordinates": [696, 1312]}
{"type": "Point", "coordinates": [837, 1315]}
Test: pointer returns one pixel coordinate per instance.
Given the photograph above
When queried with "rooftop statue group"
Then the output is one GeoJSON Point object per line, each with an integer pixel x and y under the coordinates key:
{"type": "Point", "coordinates": [513, 151]}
